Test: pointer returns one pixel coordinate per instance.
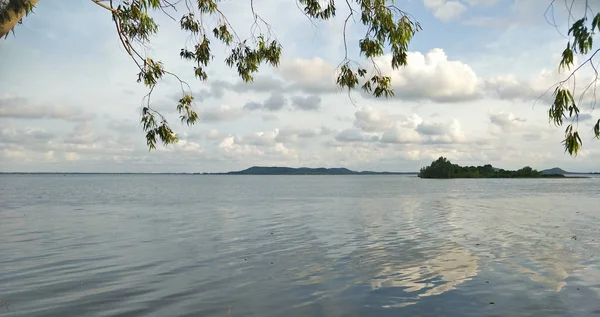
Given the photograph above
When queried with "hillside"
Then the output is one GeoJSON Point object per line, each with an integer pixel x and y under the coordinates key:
{"type": "Point", "coordinates": [276, 170]}
{"type": "Point", "coordinates": [555, 171]}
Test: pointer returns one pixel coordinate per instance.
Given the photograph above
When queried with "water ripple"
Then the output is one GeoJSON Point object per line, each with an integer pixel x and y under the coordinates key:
{"type": "Point", "coordinates": [297, 246]}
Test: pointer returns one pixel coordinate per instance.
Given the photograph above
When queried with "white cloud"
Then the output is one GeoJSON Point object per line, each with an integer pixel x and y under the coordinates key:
{"type": "Point", "coordinates": [295, 135]}
{"type": "Point", "coordinates": [506, 121]}
{"type": "Point", "coordinates": [401, 135]}
{"type": "Point", "coordinates": [441, 132]}
{"type": "Point", "coordinates": [510, 87]}
{"type": "Point", "coordinates": [218, 114]}
{"type": "Point", "coordinates": [373, 120]}
{"type": "Point", "coordinates": [22, 108]}
{"type": "Point", "coordinates": [482, 2]}
{"type": "Point", "coordinates": [432, 77]}
{"type": "Point", "coordinates": [257, 146]}
{"type": "Point", "coordinates": [377, 120]}
{"type": "Point", "coordinates": [356, 135]}
{"type": "Point", "coordinates": [72, 156]}
{"type": "Point", "coordinates": [309, 75]}
{"type": "Point", "coordinates": [445, 10]}
{"type": "Point", "coordinates": [213, 134]}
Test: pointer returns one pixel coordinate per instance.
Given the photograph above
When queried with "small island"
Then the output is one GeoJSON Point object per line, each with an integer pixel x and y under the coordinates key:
{"type": "Point", "coordinates": [443, 168]}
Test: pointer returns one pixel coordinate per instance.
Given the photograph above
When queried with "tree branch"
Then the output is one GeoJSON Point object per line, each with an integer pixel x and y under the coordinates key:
{"type": "Point", "coordinates": [15, 13]}
{"type": "Point", "coordinates": [105, 6]}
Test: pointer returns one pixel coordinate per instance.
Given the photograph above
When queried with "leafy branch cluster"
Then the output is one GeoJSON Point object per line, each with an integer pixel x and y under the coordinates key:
{"type": "Point", "coordinates": [13, 9]}
{"type": "Point", "coordinates": [564, 105]}
{"type": "Point", "coordinates": [388, 28]}
{"type": "Point", "coordinates": [386, 25]}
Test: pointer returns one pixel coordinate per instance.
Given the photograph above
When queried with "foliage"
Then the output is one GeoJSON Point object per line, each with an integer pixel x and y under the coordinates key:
{"type": "Point", "coordinates": [443, 168]}
{"type": "Point", "coordinates": [388, 28]}
{"type": "Point", "coordinates": [12, 12]}
{"type": "Point", "coordinates": [564, 105]}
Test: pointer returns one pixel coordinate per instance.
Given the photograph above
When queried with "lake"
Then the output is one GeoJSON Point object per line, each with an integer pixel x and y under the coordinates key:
{"type": "Point", "coordinates": [196, 245]}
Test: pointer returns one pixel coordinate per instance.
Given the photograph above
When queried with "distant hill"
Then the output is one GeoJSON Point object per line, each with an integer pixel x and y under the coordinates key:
{"type": "Point", "coordinates": [558, 170]}
{"type": "Point", "coordinates": [555, 171]}
{"type": "Point", "coordinates": [276, 170]}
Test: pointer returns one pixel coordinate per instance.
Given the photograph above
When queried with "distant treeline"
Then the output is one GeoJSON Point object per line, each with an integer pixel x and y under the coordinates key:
{"type": "Point", "coordinates": [443, 168]}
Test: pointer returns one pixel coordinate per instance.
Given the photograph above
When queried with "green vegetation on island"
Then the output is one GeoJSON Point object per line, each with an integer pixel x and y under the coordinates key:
{"type": "Point", "coordinates": [443, 168]}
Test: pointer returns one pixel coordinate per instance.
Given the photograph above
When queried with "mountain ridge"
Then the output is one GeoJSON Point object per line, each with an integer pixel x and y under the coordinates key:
{"type": "Point", "coordinates": [281, 170]}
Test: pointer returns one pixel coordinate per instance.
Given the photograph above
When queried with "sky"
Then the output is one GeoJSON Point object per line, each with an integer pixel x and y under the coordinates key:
{"type": "Point", "coordinates": [69, 100]}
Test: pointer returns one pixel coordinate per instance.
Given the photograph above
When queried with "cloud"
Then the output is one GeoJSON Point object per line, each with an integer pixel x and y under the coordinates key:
{"type": "Point", "coordinates": [441, 132]}
{"type": "Point", "coordinates": [312, 76]}
{"type": "Point", "coordinates": [377, 120]}
{"type": "Point", "coordinates": [261, 83]}
{"type": "Point", "coordinates": [585, 117]}
{"type": "Point", "coordinates": [24, 156]}
{"type": "Point", "coordinates": [401, 135]}
{"type": "Point", "coordinates": [123, 126]}
{"type": "Point", "coordinates": [445, 10]}
{"type": "Point", "coordinates": [72, 156]}
{"type": "Point", "coordinates": [213, 134]}
{"type": "Point", "coordinates": [220, 114]}
{"type": "Point", "coordinates": [432, 128]}
{"type": "Point", "coordinates": [257, 146]}
{"type": "Point", "coordinates": [216, 89]}
{"type": "Point", "coordinates": [307, 103]}
{"type": "Point", "coordinates": [560, 13]}
{"type": "Point", "coordinates": [294, 135]}
{"type": "Point", "coordinates": [269, 117]}
{"type": "Point", "coordinates": [274, 103]}
{"type": "Point", "coordinates": [510, 87]}
{"type": "Point", "coordinates": [356, 135]}
{"type": "Point", "coordinates": [540, 86]}
{"type": "Point", "coordinates": [432, 77]}
{"type": "Point", "coordinates": [391, 135]}
{"type": "Point", "coordinates": [22, 108]}
{"type": "Point", "coordinates": [506, 121]}
{"type": "Point", "coordinates": [482, 2]}
{"type": "Point", "coordinates": [426, 132]}
{"type": "Point", "coordinates": [27, 135]}
{"type": "Point", "coordinates": [373, 120]}
{"type": "Point", "coordinates": [287, 136]}
{"type": "Point", "coordinates": [259, 138]}
{"type": "Point", "coordinates": [379, 125]}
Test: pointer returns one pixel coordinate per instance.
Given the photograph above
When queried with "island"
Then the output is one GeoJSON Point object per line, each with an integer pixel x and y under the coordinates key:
{"type": "Point", "coordinates": [443, 168]}
{"type": "Point", "coordinates": [276, 170]}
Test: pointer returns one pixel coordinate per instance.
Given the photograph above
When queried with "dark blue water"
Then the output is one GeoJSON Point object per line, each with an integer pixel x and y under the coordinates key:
{"type": "Point", "coordinates": [144, 245]}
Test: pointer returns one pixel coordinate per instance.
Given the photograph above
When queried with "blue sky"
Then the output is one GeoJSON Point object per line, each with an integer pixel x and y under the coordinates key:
{"type": "Point", "coordinates": [69, 100]}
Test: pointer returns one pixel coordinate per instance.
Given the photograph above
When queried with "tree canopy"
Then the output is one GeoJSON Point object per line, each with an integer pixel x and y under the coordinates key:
{"type": "Point", "coordinates": [389, 29]}
{"type": "Point", "coordinates": [566, 106]}
{"type": "Point", "coordinates": [443, 168]}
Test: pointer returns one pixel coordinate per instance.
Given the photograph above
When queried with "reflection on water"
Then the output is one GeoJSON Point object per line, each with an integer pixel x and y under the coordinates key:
{"type": "Point", "coordinates": [452, 267]}
{"type": "Point", "coordinates": [298, 246]}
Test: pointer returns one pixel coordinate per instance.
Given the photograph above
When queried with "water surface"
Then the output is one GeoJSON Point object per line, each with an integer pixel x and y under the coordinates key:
{"type": "Point", "coordinates": [185, 245]}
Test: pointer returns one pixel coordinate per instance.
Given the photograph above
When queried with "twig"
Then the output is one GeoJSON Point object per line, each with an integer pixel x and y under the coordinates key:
{"type": "Point", "coordinates": [105, 6]}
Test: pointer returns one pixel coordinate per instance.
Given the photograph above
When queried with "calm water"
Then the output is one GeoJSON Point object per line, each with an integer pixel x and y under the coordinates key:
{"type": "Point", "coordinates": [146, 245]}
